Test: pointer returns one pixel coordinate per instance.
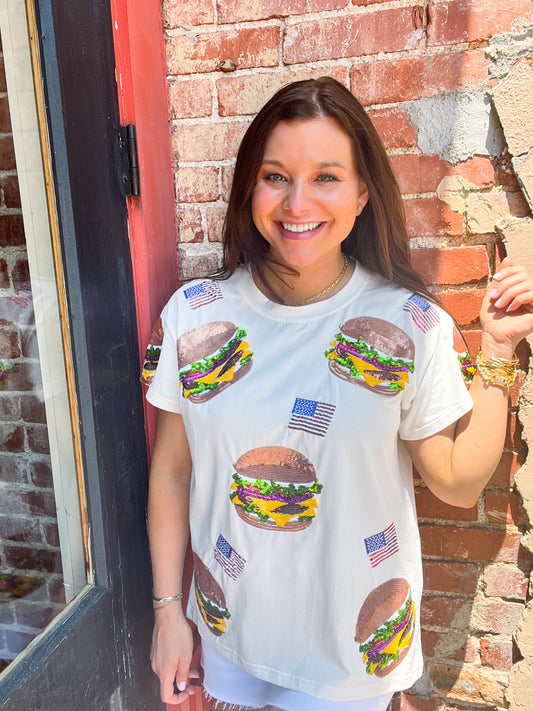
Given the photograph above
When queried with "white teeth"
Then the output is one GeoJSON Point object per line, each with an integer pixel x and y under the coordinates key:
{"type": "Point", "coordinates": [306, 227]}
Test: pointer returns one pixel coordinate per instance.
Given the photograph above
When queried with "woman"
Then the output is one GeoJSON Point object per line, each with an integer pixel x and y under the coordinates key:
{"type": "Point", "coordinates": [295, 391]}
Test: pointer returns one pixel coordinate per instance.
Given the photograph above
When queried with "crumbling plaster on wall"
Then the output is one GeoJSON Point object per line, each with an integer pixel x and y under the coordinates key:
{"type": "Point", "coordinates": [513, 99]}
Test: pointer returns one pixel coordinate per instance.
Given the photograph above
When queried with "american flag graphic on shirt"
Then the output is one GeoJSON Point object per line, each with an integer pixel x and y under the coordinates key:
{"type": "Point", "coordinates": [424, 314]}
{"type": "Point", "coordinates": [381, 545]}
{"type": "Point", "coordinates": [202, 294]}
{"type": "Point", "coordinates": [228, 558]}
{"type": "Point", "coordinates": [311, 416]}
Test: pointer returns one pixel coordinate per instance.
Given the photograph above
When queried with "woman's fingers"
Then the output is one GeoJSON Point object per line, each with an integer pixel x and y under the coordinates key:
{"type": "Point", "coordinates": [511, 289]}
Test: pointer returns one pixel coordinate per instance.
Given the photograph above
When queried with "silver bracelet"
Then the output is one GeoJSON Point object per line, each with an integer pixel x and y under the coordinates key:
{"type": "Point", "coordinates": [162, 601]}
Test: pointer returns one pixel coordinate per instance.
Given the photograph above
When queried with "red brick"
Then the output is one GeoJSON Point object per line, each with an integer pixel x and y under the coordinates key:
{"type": "Point", "coordinates": [478, 170]}
{"type": "Point", "coordinates": [246, 10]}
{"type": "Point", "coordinates": [456, 265]}
{"type": "Point", "coordinates": [464, 304]}
{"type": "Point", "coordinates": [190, 99]}
{"type": "Point", "coordinates": [190, 226]}
{"type": "Point", "coordinates": [21, 276]}
{"type": "Point", "coordinates": [441, 611]}
{"type": "Point", "coordinates": [504, 507]}
{"type": "Point", "coordinates": [213, 141]}
{"type": "Point", "coordinates": [24, 376]}
{"type": "Point", "coordinates": [226, 180]}
{"type": "Point", "coordinates": [32, 409]}
{"type": "Point", "coordinates": [496, 616]}
{"type": "Point", "coordinates": [28, 340]}
{"type": "Point", "coordinates": [247, 48]}
{"type": "Point", "coordinates": [9, 343]}
{"type": "Point", "coordinates": [409, 702]}
{"type": "Point", "coordinates": [9, 408]}
{"type": "Point", "coordinates": [351, 36]}
{"type": "Point", "coordinates": [25, 558]}
{"type": "Point", "coordinates": [41, 474]}
{"type": "Point", "coordinates": [506, 582]}
{"type": "Point", "coordinates": [3, 86]}
{"type": "Point", "coordinates": [11, 438]}
{"type": "Point", "coordinates": [474, 20]}
{"type": "Point", "coordinates": [463, 687]}
{"type": "Point", "coordinates": [418, 173]}
{"type": "Point", "coordinates": [197, 184]}
{"type": "Point", "coordinates": [453, 644]}
{"type": "Point", "coordinates": [51, 534]}
{"type": "Point", "coordinates": [245, 95]}
{"type": "Point", "coordinates": [4, 275]}
{"type": "Point", "coordinates": [386, 81]}
{"type": "Point", "coordinates": [177, 13]}
{"type": "Point", "coordinates": [56, 589]}
{"type": "Point", "coordinates": [38, 439]}
{"type": "Point", "coordinates": [215, 221]}
{"type": "Point", "coordinates": [513, 435]}
{"type": "Point", "coordinates": [470, 543]}
{"type": "Point", "coordinates": [394, 127]}
{"type": "Point", "coordinates": [430, 217]}
{"type": "Point", "coordinates": [20, 530]}
{"type": "Point", "coordinates": [11, 231]}
{"type": "Point", "coordinates": [5, 120]}
{"type": "Point", "coordinates": [450, 577]}
{"type": "Point", "coordinates": [505, 173]}
{"type": "Point", "coordinates": [473, 341]}
{"type": "Point", "coordinates": [7, 153]}
{"type": "Point", "coordinates": [14, 468]}
{"type": "Point", "coordinates": [9, 185]}
{"type": "Point", "coordinates": [507, 467]}
{"type": "Point", "coordinates": [429, 506]}
{"type": "Point", "coordinates": [496, 653]}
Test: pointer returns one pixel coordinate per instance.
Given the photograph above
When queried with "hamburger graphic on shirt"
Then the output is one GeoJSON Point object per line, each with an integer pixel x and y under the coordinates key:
{"type": "Point", "coordinates": [212, 357]}
{"type": "Point", "coordinates": [372, 353]}
{"type": "Point", "coordinates": [275, 488]}
{"type": "Point", "coordinates": [385, 625]}
{"type": "Point", "coordinates": [210, 598]}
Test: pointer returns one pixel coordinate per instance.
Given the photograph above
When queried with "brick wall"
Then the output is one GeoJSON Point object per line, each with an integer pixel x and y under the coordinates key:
{"type": "Point", "coordinates": [424, 70]}
{"type": "Point", "coordinates": [31, 586]}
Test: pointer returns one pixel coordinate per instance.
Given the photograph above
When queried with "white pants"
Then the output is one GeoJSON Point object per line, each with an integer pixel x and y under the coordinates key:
{"type": "Point", "coordinates": [231, 685]}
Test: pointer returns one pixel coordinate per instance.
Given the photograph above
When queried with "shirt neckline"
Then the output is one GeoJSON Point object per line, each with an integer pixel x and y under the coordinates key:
{"type": "Point", "coordinates": [257, 300]}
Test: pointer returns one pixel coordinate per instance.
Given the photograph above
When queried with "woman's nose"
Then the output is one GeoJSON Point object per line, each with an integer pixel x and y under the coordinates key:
{"type": "Point", "coordinates": [297, 198]}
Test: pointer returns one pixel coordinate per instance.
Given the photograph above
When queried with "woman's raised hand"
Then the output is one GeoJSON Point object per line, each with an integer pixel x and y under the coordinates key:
{"type": "Point", "coordinates": [507, 310]}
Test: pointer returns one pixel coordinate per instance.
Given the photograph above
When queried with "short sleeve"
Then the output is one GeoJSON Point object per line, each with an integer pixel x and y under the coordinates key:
{"type": "Point", "coordinates": [164, 390]}
{"type": "Point", "coordinates": [439, 396]}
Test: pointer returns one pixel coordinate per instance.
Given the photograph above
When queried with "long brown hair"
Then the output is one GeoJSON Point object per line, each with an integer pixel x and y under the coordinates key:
{"type": "Point", "coordinates": [378, 239]}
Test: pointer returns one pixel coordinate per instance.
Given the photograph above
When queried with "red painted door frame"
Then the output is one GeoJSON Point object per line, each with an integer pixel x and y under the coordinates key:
{"type": "Point", "coordinates": [143, 100]}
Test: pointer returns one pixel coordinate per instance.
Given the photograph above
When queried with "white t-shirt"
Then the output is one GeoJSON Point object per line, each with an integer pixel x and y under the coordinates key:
{"type": "Point", "coordinates": [302, 504]}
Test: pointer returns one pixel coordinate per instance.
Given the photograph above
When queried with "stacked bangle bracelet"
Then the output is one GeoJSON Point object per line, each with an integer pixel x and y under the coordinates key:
{"type": "Point", "coordinates": [497, 371]}
{"type": "Point", "coordinates": [159, 602]}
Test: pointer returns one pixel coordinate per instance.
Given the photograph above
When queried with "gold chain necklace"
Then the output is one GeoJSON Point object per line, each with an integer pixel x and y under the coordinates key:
{"type": "Point", "coordinates": [328, 288]}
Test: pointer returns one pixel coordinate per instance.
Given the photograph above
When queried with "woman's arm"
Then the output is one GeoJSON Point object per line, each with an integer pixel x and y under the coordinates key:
{"type": "Point", "coordinates": [168, 530]}
{"type": "Point", "coordinates": [457, 462]}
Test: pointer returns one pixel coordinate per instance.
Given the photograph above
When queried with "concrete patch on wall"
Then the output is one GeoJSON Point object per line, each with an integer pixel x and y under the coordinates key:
{"type": "Point", "coordinates": [506, 49]}
{"type": "Point", "coordinates": [456, 125]}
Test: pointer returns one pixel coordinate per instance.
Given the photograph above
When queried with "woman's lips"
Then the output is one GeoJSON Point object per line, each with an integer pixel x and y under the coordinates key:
{"type": "Point", "coordinates": [298, 231]}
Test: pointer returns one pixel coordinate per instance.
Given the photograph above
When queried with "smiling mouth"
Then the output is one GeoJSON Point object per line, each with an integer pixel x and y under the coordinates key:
{"type": "Point", "coordinates": [305, 227]}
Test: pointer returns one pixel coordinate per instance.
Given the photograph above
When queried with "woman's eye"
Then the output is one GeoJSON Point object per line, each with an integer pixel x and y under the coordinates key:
{"type": "Point", "coordinates": [274, 177]}
{"type": "Point", "coordinates": [326, 178]}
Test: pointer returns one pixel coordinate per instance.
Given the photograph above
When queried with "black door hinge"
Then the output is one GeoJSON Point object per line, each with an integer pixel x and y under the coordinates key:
{"type": "Point", "coordinates": [130, 160]}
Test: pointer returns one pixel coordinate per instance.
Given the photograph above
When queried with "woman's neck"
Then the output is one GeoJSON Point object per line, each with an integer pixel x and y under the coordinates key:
{"type": "Point", "coordinates": [310, 285]}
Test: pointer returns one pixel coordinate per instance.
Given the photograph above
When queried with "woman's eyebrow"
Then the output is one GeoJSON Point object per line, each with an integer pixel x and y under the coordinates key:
{"type": "Point", "coordinates": [324, 164]}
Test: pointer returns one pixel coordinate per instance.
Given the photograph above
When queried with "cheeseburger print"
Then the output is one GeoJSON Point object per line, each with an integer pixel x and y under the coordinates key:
{"type": "Point", "coordinates": [384, 626]}
{"type": "Point", "coordinates": [210, 598]}
{"type": "Point", "coordinates": [211, 358]}
{"type": "Point", "coordinates": [373, 353]}
{"type": "Point", "coordinates": [153, 351]}
{"type": "Point", "coordinates": [275, 488]}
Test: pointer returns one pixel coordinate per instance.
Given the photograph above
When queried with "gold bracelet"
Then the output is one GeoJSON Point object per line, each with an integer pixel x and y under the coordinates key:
{"type": "Point", "coordinates": [496, 371]}
{"type": "Point", "coordinates": [159, 602]}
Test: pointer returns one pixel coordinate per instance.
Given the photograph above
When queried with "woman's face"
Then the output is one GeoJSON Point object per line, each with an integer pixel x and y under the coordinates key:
{"type": "Point", "coordinates": [307, 194]}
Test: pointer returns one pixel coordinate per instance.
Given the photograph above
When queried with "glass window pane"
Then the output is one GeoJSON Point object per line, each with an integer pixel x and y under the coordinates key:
{"type": "Point", "coordinates": [42, 552]}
